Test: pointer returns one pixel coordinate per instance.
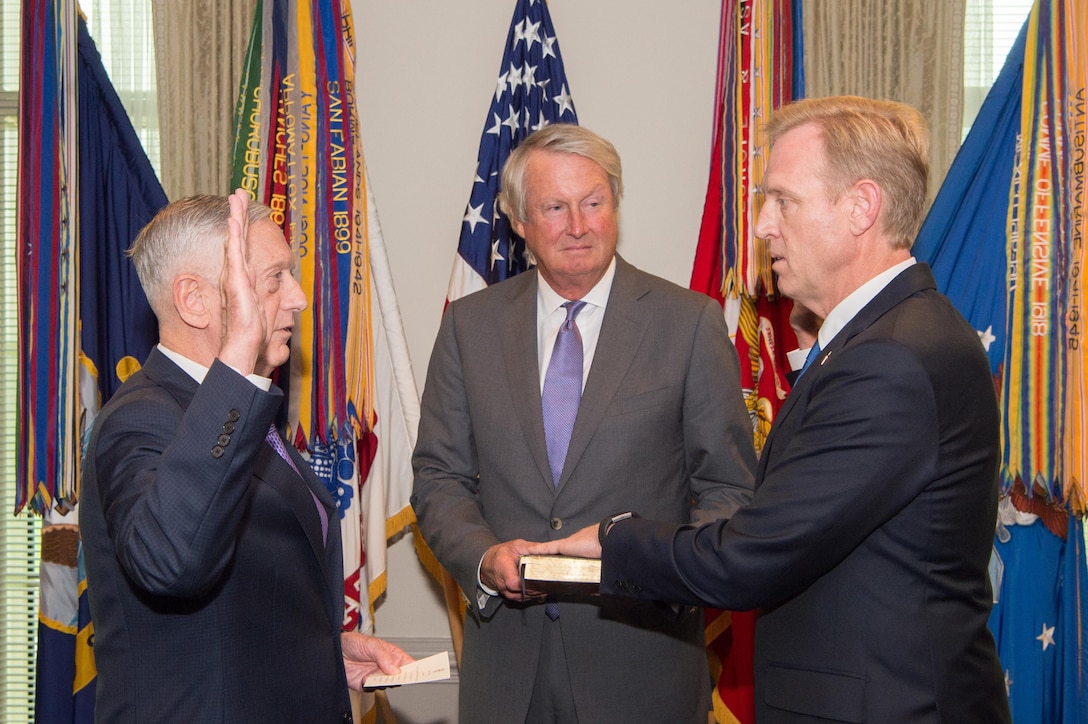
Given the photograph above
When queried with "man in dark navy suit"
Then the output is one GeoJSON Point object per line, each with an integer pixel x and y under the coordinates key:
{"type": "Point", "coordinates": [213, 553]}
{"type": "Point", "coordinates": [866, 543]}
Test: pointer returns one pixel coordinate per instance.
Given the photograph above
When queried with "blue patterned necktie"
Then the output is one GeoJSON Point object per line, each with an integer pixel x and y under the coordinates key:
{"type": "Point", "coordinates": [273, 438]}
{"type": "Point", "coordinates": [812, 355]}
{"type": "Point", "coordinates": [562, 390]}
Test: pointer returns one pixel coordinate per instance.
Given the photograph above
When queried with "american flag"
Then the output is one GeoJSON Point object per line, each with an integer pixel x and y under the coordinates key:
{"type": "Point", "coordinates": [531, 92]}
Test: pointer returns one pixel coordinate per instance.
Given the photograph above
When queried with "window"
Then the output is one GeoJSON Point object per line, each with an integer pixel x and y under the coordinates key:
{"type": "Point", "coordinates": [990, 29]}
{"type": "Point", "coordinates": [123, 32]}
{"type": "Point", "coordinates": [18, 536]}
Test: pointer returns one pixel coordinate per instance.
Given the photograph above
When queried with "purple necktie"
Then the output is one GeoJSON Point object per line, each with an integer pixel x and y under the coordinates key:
{"type": "Point", "coordinates": [273, 438]}
{"type": "Point", "coordinates": [562, 390]}
{"type": "Point", "coordinates": [560, 399]}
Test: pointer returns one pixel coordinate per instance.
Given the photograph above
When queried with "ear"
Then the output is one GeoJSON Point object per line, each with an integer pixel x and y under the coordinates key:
{"type": "Point", "coordinates": [519, 227]}
{"type": "Point", "coordinates": [866, 198]}
{"type": "Point", "coordinates": [193, 302]}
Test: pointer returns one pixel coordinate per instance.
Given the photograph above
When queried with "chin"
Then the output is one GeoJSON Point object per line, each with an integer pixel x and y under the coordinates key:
{"type": "Point", "coordinates": [272, 361]}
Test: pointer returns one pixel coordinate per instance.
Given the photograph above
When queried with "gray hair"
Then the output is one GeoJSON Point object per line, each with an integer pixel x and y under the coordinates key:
{"type": "Point", "coordinates": [186, 236]}
{"type": "Point", "coordinates": [557, 138]}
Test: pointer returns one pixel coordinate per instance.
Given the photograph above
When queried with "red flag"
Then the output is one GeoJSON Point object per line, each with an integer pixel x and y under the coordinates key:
{"type": "Point", "coordinates": [759, 59]}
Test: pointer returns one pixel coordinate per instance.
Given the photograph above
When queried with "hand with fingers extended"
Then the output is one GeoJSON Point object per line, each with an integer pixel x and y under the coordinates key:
{"type": "Point", "coordinates": [244, 329]}
{"type": "Point", "coordinates": [583, 544]}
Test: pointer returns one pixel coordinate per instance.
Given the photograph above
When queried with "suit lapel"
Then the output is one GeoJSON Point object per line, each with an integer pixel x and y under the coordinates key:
{"type": "Point", "coordinates": [269, 467]}
{"type": "Point", "coordinates": [622, 330]}
{"type": "Point", "coordinates": [910, 281]}
{"type": "Point", "coordinates": [518, 335]}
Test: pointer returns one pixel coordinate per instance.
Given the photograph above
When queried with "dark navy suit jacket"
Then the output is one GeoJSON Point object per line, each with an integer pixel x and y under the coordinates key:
{"type": "Point", "coordinates": [212, 594]}
{"type": "Point", "coordinates": [866, 543]}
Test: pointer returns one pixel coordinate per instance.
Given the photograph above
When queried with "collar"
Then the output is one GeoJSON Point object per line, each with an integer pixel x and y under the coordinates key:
{"type": "Point", "coordinates": [198, 371]}
{"type": "Point", "coordinates": [548, 300]}
{"type": "Point", "coordinates": [848, 308]}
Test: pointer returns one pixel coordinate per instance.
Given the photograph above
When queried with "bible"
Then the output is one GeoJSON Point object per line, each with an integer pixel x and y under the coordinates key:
{"type": "Point", "coordinates": [545, 573]}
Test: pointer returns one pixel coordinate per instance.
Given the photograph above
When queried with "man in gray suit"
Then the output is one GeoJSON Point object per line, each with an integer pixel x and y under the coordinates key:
{"type": "Point", "coordinates": [213, 553]}
{"type": "Point", "coordinates": [660, 426]}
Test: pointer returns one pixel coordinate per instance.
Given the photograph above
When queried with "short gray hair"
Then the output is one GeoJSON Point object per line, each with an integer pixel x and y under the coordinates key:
{"type": "Point", "coordinates": [186, 235]}
{"type": "Point", "coordinates": [557, 138]}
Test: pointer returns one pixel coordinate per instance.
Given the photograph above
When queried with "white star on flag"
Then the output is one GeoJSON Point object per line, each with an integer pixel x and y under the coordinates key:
{"type": "Point", "coordinates": [564, 101]}
{"type": "Point", "coordinates": [474, 217]}
{"type": "Point", "coordinates": [987, 338]}
{"type": "Point", "coordinates": [1047, 636]}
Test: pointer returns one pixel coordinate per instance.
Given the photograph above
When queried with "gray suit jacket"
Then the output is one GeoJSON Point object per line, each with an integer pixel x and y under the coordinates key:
{"type": "Point", "coordinates": [212, 594]}
{"type": "Point", "coordinates": [661, 429]}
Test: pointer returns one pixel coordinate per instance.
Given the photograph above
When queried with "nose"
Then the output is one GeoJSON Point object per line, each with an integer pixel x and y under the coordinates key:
{"type": "Point", "coordinates": [295, 298]}
{"type": "Point", "coordinates": [765, 225]}
{"type": "Point", "coordinates": [576, 223]}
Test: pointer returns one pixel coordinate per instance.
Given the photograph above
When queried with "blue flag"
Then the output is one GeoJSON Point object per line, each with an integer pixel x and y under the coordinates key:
{"type": "Point", "coordinates": [118, 195]}
{"type": "Point", "coordinates": [1038, 567]}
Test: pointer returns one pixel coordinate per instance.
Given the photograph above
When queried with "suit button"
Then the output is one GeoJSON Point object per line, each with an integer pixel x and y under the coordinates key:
{"type": "Point", "coordinates": [217, 452]}
{"type": "Point", "coordinates": [223, 440]}
{"type": "Point", "coordinates": [556, 523]}
{"type": "Point", "coordinates": [228, 427]}
{"type": "Point", "coordinates": [233, 415]}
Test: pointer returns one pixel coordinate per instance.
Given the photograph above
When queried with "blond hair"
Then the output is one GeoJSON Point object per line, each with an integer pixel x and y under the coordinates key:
{"type": "Point", "coordinates": [883, 141]}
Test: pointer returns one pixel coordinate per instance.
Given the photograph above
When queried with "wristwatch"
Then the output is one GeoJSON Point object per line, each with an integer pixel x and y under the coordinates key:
{"type": "Point", "coordinates": [607, 523]}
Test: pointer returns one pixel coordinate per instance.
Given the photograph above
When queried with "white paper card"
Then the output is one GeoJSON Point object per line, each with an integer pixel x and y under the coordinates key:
{"type": "Point", "coordinates": [432, 668]}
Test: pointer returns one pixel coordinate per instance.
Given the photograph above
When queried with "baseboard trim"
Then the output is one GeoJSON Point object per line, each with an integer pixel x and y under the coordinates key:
{"type": "Point", "coordinates": [419, 647]}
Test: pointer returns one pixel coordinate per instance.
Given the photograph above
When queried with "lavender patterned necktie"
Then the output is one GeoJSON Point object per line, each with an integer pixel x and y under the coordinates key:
{"type": "Point", "coordinates": [560, 399]}
{"type": "Point", "coordinates": [273, 438]}
{"type": "Point", "coordinates": [563, 390]}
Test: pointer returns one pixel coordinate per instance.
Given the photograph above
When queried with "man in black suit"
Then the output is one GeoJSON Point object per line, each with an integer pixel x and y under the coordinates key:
{"type": "Point", "coordinates": [866, 543]}
{"type": "Point", "coordinates": [213, 553]}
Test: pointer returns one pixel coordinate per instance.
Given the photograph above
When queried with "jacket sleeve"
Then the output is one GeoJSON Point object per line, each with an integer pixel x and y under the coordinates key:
{"type": "Point", "coordinates": [445, 496]}
{"type": "Point", "coordinates": [864, 449]}
{"type": "Point", "coordinates": [718, 443]}
{"type": "Point", "coordinates": [173, 481]}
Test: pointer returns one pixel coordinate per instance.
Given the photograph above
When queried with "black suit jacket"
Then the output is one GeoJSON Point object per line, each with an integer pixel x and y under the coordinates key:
{"type": "Point", "coordinates": [867, 541]}
{"type": "Point", "coordinates": [212, 595]}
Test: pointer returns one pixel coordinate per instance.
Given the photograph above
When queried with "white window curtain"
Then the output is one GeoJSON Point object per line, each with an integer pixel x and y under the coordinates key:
{"type": "Point", "coordinates": [201, 49]}
{"type": "Point", "coordinates": [122, 31]}
{"type": "Point", "coordinates": [909, 51]}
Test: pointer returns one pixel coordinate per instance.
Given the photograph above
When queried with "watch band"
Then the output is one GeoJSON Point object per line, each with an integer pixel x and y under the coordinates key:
{"type": "Point", "coordinates": [607, 523]}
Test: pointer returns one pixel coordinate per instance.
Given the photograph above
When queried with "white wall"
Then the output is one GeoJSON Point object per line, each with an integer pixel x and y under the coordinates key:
{"type": "Point", "coordinates": [641, 74]}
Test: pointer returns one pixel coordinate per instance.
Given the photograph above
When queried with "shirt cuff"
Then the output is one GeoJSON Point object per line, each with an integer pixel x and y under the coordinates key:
{"type": "Point", "coordinates": [480, 583]}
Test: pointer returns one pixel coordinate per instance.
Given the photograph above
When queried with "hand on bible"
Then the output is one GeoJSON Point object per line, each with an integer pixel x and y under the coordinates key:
{"type": "Point", "coordinates": [583, 544]}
